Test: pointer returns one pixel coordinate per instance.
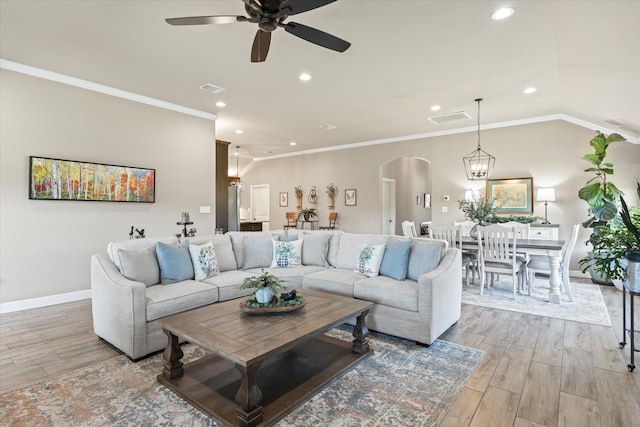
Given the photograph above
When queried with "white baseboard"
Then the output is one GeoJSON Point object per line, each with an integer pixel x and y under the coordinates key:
{"type": "Point", "coordinates": [578, 273]}
{"type": "Point", "coordinates": [26, 304]}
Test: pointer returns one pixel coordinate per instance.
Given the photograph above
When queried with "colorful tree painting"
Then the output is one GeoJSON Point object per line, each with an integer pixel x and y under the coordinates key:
{"type": "Point", "coordinates": [55, 179]}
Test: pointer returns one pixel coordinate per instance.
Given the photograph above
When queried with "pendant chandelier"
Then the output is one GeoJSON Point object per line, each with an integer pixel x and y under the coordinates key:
{"type": "Point", "coordinates": [237, 182]}
{"type": "Point", "coordinates": [478, 163]}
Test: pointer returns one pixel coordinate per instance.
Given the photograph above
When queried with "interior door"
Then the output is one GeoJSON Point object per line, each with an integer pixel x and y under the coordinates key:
{"type": "Point", "coordinates": [388, 225]}
{"type": "Point", "coordinates": [259, 205]}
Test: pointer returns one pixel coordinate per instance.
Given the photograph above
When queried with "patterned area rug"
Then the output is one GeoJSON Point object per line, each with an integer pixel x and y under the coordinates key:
{"type": "Point", "coordinates": [588, 305]}
{"type": "Point", "coordinates": [401, 384]}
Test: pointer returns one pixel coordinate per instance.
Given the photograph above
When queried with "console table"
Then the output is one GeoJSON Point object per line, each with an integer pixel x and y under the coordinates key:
{"type": "Point", "coordinates": [631, 329]}
{"type": "Point", "coordinates": [544, 231]}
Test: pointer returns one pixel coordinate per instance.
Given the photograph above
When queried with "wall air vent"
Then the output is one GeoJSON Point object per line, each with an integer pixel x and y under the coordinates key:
{"type": "Point", "coordinates": [448, 118]}
{"type": "Point", "coordinates": [212, 88]}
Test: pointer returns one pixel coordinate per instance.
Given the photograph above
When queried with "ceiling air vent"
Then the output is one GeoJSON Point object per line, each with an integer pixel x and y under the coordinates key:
{"type": "Point", "coordinates": [327, 126]}
{"type": "Point", "coordinates": [212, 88]}
{"type": "Point", "coordinates": [448, 118]}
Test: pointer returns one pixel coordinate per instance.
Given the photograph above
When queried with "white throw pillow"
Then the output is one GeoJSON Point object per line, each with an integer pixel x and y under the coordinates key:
{"type": "Point", "coordinates": [287, 254]}
{"type": "Point", "coordinates": [370, 259]}
{"type": "Point", "coordinates": [205, 263]}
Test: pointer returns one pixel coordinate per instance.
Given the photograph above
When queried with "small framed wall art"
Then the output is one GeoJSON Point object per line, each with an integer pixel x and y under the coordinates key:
{"type": "Point", "coordinates": [350, 197]}
{"type": "Point", "coordinates": [427, 200]}
{"type": "Point", "coordinates": [284, 199]}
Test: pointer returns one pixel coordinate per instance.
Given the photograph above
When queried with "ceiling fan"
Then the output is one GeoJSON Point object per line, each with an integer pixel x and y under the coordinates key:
{"type": "Point", "coordinates": [269, 15]}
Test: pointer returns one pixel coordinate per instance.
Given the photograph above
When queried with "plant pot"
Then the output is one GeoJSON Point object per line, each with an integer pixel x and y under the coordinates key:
{"type": "Point", "coordinates": [264, 295]}
{"type": "Point", "coordinates": [596, 277]}
{"type": "Point", "coordinates": [473, 233]}
{"type": "Point", "coordinates": [633, 270]}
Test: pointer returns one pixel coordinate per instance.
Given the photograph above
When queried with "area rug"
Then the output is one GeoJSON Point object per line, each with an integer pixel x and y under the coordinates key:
{"type": "Point", "coordinates": [401, 384]}
{"type": "Point", "coordinates": [588, 305]}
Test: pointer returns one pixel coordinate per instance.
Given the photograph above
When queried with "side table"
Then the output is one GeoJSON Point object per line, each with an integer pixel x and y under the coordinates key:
{"type": "Point", "coordinates": [632, 348]}
{"type": "Point", "coordinates": [184, 224]}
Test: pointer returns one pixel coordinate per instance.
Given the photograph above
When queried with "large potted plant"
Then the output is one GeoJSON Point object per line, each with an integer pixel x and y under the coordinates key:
{"type": "Point", "coordinates": [602, 198]}
{"type": "Point", "coordinates": [266, 285]}
{"type": "Point", "coordinates": [618, 244]}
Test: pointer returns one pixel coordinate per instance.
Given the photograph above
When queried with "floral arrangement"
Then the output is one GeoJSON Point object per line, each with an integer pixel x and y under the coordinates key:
{"type": "Point", "coordinates": [479, 210]}
{"type": "Point", "coordinates": [298, 191]}
{"type": "Point", "coordinates": [332, 190]}
{"type": "Point", "coordinates": [265, 280]}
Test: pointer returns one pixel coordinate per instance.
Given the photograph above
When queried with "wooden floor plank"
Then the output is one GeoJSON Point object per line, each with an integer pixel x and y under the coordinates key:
{"type": "Point", "coordinates": [578, 373]}
{"type": "Point", "coordinates": [550, 342]}
{"type": "Point", "coordinates": [616, 397]}
{"type": "Point", "coordinates": [540, 398]}
{"type": "Point", "coordinates": [496, 409]}
{"type": "Point", "coordinates": [511, 372]}
{"type": "Point", "coordinates": [463, 409]}
{"type": "Point", "coordinates": [578, 411]}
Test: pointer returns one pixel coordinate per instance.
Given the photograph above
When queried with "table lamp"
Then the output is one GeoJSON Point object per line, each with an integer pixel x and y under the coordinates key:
{"type": "Point", "coordinates": [546, 195]}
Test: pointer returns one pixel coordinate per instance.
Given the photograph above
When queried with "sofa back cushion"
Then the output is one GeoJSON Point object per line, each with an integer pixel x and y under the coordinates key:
{"type": "Point", "coordinates": [396, 258]}
{"type": "Point", "coordinates": [315, 249]}
{"type": "Point", "coordinates": [222, 247]}
{"type": "Point", "coordinates": [175, 262]}
{"type": "Point", "coordinates": [351, 245]}
{"type": "Point", "coordinates": [112, 247]}
{"type": "Point", "coordinates": [424, 257]}
{"type": "Point", "coordinates": [140, 265]}
{"type": "Point", "coordinates": [237, 241]}
{"type": "Point", "coordinates": [258, 252]}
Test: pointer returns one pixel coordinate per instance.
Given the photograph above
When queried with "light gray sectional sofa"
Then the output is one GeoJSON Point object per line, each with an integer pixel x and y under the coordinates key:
{"type": "Point", "coordinates": [417, 293]}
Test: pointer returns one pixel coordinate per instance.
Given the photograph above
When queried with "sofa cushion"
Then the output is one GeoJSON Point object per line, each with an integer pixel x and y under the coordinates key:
{"type": "Point", "coordinates": [424, 257]}
{"type": "Point", "coordinates": [258, 252]}
{"type": "Point", "coordinates": [291, 278]}
{"type": "Point", "coordinates": [228, 284]}
{"type": "Point", "coordinates": [351, 246]}
{"type": "Point", "coordinates": [396, 258]}
{"type": "Point", "coordinates": [140, 265]}
{"type": "Point", "coordinates": [286, 254]}
{"type": "Point", "coordinates": [112, 247]}
{"type": "Point", "coordinates": [287, 237]}
{"type": "Point", "coordinates": [204, 260]}
{"type": "Point", "coordinates": [223, 248]}
{"type": "Point", "coordinates": [333, 280]}
{"type": "Point", "coordinates": [164, 301]}
{"type": "Point", "coordinates": [402, 294]}
{"type": "Point", "coordinates": [315, 249]}
{"type": "Point", "coordinates": [175, 262]}
{"type": "Point", "coordinates": [370, 259]}
{"type": "Point", "coordinates": [238, 240]}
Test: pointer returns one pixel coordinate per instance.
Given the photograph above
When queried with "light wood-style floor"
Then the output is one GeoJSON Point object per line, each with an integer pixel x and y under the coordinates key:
{"type": "Point", "coordinates": [537, 371]}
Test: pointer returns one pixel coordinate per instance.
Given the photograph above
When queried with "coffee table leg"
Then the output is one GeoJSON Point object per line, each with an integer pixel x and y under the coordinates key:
{"type": "Point", "coordinates": [249, 396]}
{"type": "Point", "coordinates": [172, 355]}
{"type": "Point", "coordinates": [360, 333]}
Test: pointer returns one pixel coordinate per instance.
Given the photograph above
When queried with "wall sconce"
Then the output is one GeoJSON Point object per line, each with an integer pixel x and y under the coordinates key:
{"type": "Point", "coordinates": [546, 195]}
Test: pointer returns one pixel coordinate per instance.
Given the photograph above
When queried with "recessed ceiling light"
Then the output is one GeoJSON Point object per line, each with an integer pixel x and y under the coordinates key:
{"type": "Point", "coordinates": [327, 126]}
{"type": "Point", "coordinates": [502, 13]}
{"type": "Point", "coordinates": [435, 107]}
{"type": "Point", "coordinates": [529, 90]}
{"type": "Point", "coordinates": [292, 143]}
{"type": "Point", "coordinates": [305, 77]}
{"type": "Point", "coordinates": [239, 131]}
{"type": "Point", "coordinates": [221, 104]}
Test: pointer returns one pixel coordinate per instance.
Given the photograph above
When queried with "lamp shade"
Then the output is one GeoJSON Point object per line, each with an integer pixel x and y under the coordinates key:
{"type": "Point", "coordinates": [546, 195]}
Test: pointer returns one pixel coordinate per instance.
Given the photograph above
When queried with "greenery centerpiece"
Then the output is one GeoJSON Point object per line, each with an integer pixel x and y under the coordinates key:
{"type": "Point", "coordinates": [267, 287]}
{"type": "Point", "coordinates": [479, 209]}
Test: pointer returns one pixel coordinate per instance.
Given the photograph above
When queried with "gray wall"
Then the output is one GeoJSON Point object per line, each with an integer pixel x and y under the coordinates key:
{"type": "Point", "coordinates": [45, 246]}
{"type": "Point", "coordinates": [550, 152]}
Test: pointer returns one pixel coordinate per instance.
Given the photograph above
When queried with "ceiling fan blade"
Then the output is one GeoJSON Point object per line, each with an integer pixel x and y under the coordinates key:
{"type": "Point", "coordinates": [317, 37]}
{"type": "Point", "coordinates": [260, 48]}
{"type": "Point", "coordinates": [204, 20]}
{"type": "Point", "coordinates": [300, 6]}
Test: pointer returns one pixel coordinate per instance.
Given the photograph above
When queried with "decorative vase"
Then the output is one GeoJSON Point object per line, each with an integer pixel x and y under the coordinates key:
{"type": "Point", "coordinates": [633, 270]}
{"type": "Point", "coordinates": [264, 295]}
{"type": "Point", "coordinates": [473, 233]}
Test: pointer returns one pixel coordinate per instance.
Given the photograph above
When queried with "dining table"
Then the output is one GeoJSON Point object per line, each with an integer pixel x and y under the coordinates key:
{"type": "Point", "coordinates": [552, 249]}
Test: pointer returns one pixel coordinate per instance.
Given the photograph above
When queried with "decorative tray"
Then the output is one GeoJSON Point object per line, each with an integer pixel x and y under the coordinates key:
{"type": "Point", "coordinates": [271, 308]}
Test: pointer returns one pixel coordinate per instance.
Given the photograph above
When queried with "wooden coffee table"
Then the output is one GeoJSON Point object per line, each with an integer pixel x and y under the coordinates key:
{"type": "Point", "coordinates": [262, 365]}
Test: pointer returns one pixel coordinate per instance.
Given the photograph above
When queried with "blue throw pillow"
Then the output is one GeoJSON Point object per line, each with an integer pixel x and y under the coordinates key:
{"type": "Point", "coordinates": [175, 262]}
{"type": "Point", "coordinates": [424, 257]}
{"type": "Point", "coordinates": [396, 258]}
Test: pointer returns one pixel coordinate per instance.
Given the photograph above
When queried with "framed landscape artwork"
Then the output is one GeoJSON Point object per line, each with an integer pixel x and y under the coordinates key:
{"type": "Point", "coordinates": [350, 197]}
{"type": "Point", "coordinates": [511, 196]}
{"type": "Point", "coordinates": [57, 179]}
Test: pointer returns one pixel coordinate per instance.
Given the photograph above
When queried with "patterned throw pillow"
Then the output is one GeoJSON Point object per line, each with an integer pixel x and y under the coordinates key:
{"type": "Point", "coordinates": [287, 254]}
{"type": "Point", "coordinates": [370, 259]}
{"type": "Point", "coordinates": [205, 263]}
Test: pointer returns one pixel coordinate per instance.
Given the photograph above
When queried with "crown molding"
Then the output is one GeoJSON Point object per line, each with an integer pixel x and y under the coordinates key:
{"type": "Point", "coordinates": [107, 90]}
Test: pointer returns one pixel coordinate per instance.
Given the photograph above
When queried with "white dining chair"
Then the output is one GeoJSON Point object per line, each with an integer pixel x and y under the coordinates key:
{"type": "Point", "coordinates": [540, 264]}
{"type": "Point", "coordinates": [497, 254]}
{"type": "Point", "coordinates": [409, 229]}
{"type": "Point", "coordinates": [465, 227]}
{"type": "Point", "coordinates": [451, 234]}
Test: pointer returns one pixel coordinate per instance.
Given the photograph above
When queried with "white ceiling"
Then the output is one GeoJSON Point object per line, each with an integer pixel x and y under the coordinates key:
{"type": "Point", "coordinates": [583, 56]}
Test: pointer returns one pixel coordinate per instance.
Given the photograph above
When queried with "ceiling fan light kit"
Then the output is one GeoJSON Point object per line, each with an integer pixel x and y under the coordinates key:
{"type": "Point", "coordinates": [478, 163]}
{"type": "Point", "coordinates": [269, 15]}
